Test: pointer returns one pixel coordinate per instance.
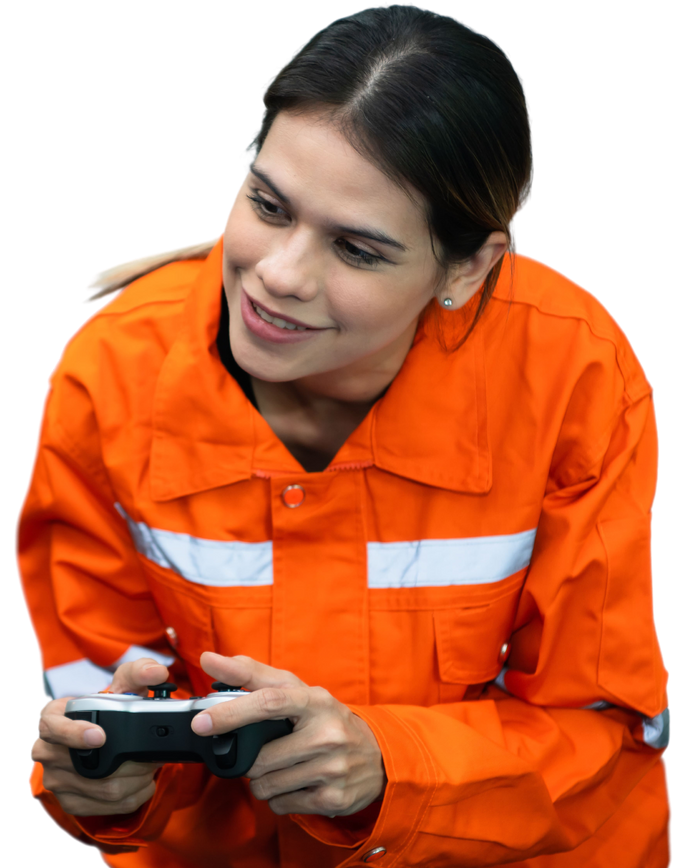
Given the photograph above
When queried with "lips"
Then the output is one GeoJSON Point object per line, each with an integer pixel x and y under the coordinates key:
{"type": "Point", "coordinates": [271, 326]}
{"type": "Point", "coordinates": [273, 313]}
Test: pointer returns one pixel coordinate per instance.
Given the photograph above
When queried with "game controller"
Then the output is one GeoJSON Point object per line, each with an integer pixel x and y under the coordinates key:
{"type": "Point", "coordinates": [158, 729]}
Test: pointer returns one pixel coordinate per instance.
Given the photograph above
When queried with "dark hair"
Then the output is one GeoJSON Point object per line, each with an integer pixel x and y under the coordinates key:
{"type": "Point", "coordinates": [434, 105]}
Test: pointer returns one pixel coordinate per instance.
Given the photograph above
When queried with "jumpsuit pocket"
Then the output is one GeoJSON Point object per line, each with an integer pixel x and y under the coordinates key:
{"type": "Point", "coordinates": [472, 637]}
{"type": "Point", "coordinates": [187, 616]}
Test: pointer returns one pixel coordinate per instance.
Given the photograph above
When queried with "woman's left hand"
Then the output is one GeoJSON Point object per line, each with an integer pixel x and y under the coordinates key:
{"type": "Point", "coordinates": [330, 764]}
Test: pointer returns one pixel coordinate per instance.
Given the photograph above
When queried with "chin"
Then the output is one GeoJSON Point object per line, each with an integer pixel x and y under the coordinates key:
{"type": "Point", "coordinates": [262, 365]}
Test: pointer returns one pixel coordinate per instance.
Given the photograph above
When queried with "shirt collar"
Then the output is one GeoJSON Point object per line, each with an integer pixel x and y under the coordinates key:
{"type": "Point", "coordinates": [430, 426]}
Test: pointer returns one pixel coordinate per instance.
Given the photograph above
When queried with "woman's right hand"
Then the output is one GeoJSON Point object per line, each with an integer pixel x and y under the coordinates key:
{"type": "Point", "coordinates": [127, 788]}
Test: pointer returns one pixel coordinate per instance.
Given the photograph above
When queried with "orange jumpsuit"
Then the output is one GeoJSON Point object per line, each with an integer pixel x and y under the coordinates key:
{"type": "Point", "coordinates": [471, 575]}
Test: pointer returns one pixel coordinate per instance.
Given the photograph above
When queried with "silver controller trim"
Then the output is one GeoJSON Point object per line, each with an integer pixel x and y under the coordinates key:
{"type": "Point", "coordinates": [137, 704]}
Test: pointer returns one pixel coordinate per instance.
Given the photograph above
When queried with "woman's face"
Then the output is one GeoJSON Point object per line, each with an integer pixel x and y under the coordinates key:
{"type": "Point", "coordinates": [327, 263]}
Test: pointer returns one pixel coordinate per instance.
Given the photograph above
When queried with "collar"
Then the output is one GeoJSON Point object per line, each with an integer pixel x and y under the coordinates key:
{"type": "Point", "coordinates": [430, 426]}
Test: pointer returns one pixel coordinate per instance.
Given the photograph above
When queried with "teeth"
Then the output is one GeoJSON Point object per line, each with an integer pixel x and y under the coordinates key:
{"type": "Point", "coordinates": [277, 321]}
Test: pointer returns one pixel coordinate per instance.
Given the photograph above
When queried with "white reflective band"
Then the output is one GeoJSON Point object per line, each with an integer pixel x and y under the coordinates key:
{"type": "Point", "coordinates": [656, 730]}
{"type": "Point", "coordinates": [221, 564]}
{"type": "Point", "coordinates": [413, 564]}
{"type": "Point", "coordinates": [440, 562]}
{"type": "Point", "coordinates": [499, 680]}
{"type": "Point", "coordinates": [83, 676]}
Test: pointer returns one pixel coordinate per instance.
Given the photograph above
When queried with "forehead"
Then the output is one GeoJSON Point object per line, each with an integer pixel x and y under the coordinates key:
{"type": "Point", "coordinates": [311, 162]}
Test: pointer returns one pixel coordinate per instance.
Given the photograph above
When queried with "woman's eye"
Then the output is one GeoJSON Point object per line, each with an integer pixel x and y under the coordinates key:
{"type": "Point", "coordinates": [360, 256]}
{"type": "Point", "coordinates": [269, 207]}
{"type": "Point", "coordinates": [355, 254]}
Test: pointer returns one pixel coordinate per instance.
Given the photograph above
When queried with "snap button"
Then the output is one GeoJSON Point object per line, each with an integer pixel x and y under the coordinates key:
{"type": "Point", "coordinates": [503, 653]}
{"type": "Point", "coordinates": [293, 495]}
{"type": "Point", "coordinates": [171, 633]}
{"type": "Point", "coordinates": [374, 855]}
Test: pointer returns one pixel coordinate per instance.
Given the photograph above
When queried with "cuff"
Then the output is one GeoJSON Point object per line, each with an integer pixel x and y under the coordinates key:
{"type": "Point", "coordinates": [349, 832]}
{"type": "Point", "coordinates": [118, 832]}
{"type": "Point", "coordinates": [411, 782]}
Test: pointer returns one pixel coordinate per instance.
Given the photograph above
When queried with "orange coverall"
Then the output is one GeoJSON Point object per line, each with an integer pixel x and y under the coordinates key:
{"type": "Point", "coordinates": [471, 575]}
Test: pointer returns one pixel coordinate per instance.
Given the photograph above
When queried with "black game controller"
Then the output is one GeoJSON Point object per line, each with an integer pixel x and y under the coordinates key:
{"type": "Point", "coordinates": [158, 729]}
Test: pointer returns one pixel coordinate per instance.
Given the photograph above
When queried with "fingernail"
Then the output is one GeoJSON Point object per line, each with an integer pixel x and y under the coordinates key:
{"type": "Point", "coordinates": [93, 737]}
{"type": "Point", "coordinates": [202, 724]}
{"type": "Point", "coordinates": [149, 666]}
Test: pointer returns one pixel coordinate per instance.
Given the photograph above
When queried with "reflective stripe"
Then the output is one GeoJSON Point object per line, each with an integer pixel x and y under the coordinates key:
{"type": "Point", "coordinates": [440, 562]}
{"type": "Point", "coordinates": [221, 564]}
{"type": "Point", "coordinates": [499, 680]}
{"type": "Point", "coordinates": [412, 564]}
{"type": "Point", "coordinates": [83, 676]}
{"type": "Point", "coordinates": [656, 730]}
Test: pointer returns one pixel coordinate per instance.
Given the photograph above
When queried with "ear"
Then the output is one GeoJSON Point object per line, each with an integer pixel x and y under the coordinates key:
{"type": "Point", "coordinates": [466, 278]}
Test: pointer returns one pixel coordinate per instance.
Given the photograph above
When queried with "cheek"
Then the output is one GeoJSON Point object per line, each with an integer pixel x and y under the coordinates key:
{"type": "Point", "coordinates": [378, 306]}
{"type": "Point", "coordinates": [244, 239]}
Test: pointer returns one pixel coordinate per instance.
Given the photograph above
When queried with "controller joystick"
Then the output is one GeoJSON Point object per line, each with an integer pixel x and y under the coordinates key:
{"type": "Point", "coordinates": [162, 691]}
{"type": "Point", "coordinates": [158, 729]}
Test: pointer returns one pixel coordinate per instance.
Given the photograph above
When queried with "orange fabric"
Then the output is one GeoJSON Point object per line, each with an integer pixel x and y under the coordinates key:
{"type": "Point", "coordinates": [542, 420]}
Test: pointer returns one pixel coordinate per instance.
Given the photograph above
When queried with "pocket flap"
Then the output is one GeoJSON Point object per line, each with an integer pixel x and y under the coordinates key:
{"type": "Point", "coordinates": [472, 640]}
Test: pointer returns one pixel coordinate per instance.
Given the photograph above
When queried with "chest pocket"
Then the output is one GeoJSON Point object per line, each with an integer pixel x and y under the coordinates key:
{"type": "Point", "coordinates": [186, 614]}
{"type": "Point", "coordinates": [444, 609]}
{"type": "Point", "coordinates": [472, 635]}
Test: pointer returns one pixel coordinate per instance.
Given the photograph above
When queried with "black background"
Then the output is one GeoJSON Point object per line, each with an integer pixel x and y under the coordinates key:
{"type": "Point", "coordinates": [126, 138]}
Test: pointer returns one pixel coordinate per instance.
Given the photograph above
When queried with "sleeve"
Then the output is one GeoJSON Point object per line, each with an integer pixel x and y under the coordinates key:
{"type": "Point", "coordinates": [577, 718]}
{"type": "Point", "coordinates": [87, 595]}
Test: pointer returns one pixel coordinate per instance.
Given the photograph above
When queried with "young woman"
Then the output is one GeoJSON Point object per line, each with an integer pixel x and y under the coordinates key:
{"type": "Point", "coordinates": [390, 477]}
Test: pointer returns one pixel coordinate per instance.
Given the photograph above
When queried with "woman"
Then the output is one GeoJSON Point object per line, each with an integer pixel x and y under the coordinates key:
{"type": "Point", "coordinates": [389, 477]}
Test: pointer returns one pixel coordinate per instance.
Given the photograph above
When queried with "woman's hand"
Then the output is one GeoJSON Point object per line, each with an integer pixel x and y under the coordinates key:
{"type": "Point", "coordinates": [330, 764]}
{"type": "Point", "coordinates": [122, 792]}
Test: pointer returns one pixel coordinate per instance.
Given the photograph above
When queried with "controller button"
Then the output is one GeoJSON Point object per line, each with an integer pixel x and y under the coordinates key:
{"type": "Point", "coordinates": [221, 687]}
{"type": "Point", "coordinates": [293, 495]}
{"type": "Point", "coordinates": [162, 731]}
{"type": "Point", "coordinates": [224, 749]}
{"type": "Point", "coordinates": [162, 691]}
{"type": "Point", "coordinates": [172, 637]}
{"type": "Point", "coordinates": [89, 758]}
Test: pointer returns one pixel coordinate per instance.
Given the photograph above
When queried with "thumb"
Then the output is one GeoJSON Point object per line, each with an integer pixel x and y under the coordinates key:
{"type": "Point", "coordinates": [245, 672]}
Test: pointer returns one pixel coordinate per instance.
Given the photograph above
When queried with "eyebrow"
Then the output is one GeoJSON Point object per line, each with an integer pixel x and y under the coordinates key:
{"type": "Point", "coordinates": [360, 231]}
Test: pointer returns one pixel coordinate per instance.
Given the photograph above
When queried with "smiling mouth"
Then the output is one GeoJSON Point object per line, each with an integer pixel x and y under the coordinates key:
{"type": "Point", "coordinates": [277, 321]}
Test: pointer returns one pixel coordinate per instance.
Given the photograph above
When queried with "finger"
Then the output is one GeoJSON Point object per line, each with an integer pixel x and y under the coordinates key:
{"type": "Point", "coordinates": [316, 773]}
{"type": "Point", "coordinates": [135, 677]}
{"type": "Point", "coordinates": [55, 728]}
{"type": "Point", "coordinates": [56, 759]}
{"type": "Point", "coordinates": [285, 752]}
{"type": "Point", "coordinates": [269, 703]}
{"type": "Point", "coordinates": [81, 806]}
{"type": "Point", "coordinates": [60, 777]}
{"type": "Point", "coordinates": [327, 801]}
{"type": "Point", "coordinates": [245, 672]}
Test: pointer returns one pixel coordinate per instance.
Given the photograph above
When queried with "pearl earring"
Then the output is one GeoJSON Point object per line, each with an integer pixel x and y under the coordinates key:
{"type": "Point", "coordinates": [448, 302]}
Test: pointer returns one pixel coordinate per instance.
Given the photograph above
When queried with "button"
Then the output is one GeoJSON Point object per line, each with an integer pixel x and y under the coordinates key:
{"type": "Point", "coordinates": [171, 633]}
{"type": "Point", "coordinates": [293, 495]}
{"type": "Point", "coordinates": [503, 654]}
{"type": "Point", "coordinates": [374, 855]}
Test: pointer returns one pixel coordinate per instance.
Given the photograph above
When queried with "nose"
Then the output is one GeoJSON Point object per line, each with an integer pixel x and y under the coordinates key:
{"type": "Point", "coordinates": [290, 266]}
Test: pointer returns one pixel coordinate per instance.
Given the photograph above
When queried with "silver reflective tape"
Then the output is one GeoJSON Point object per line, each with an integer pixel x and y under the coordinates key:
{"type": "Point", "coordinates": [419, 563]}
{"type": "Point", "coordinates": [499, 680]}
{"type": "Point", "coordinates": [656, 730]}
{"type": "Point", "coordinates": [221, 564]}
{"type": "Point", "coordinates": [441, 562]}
